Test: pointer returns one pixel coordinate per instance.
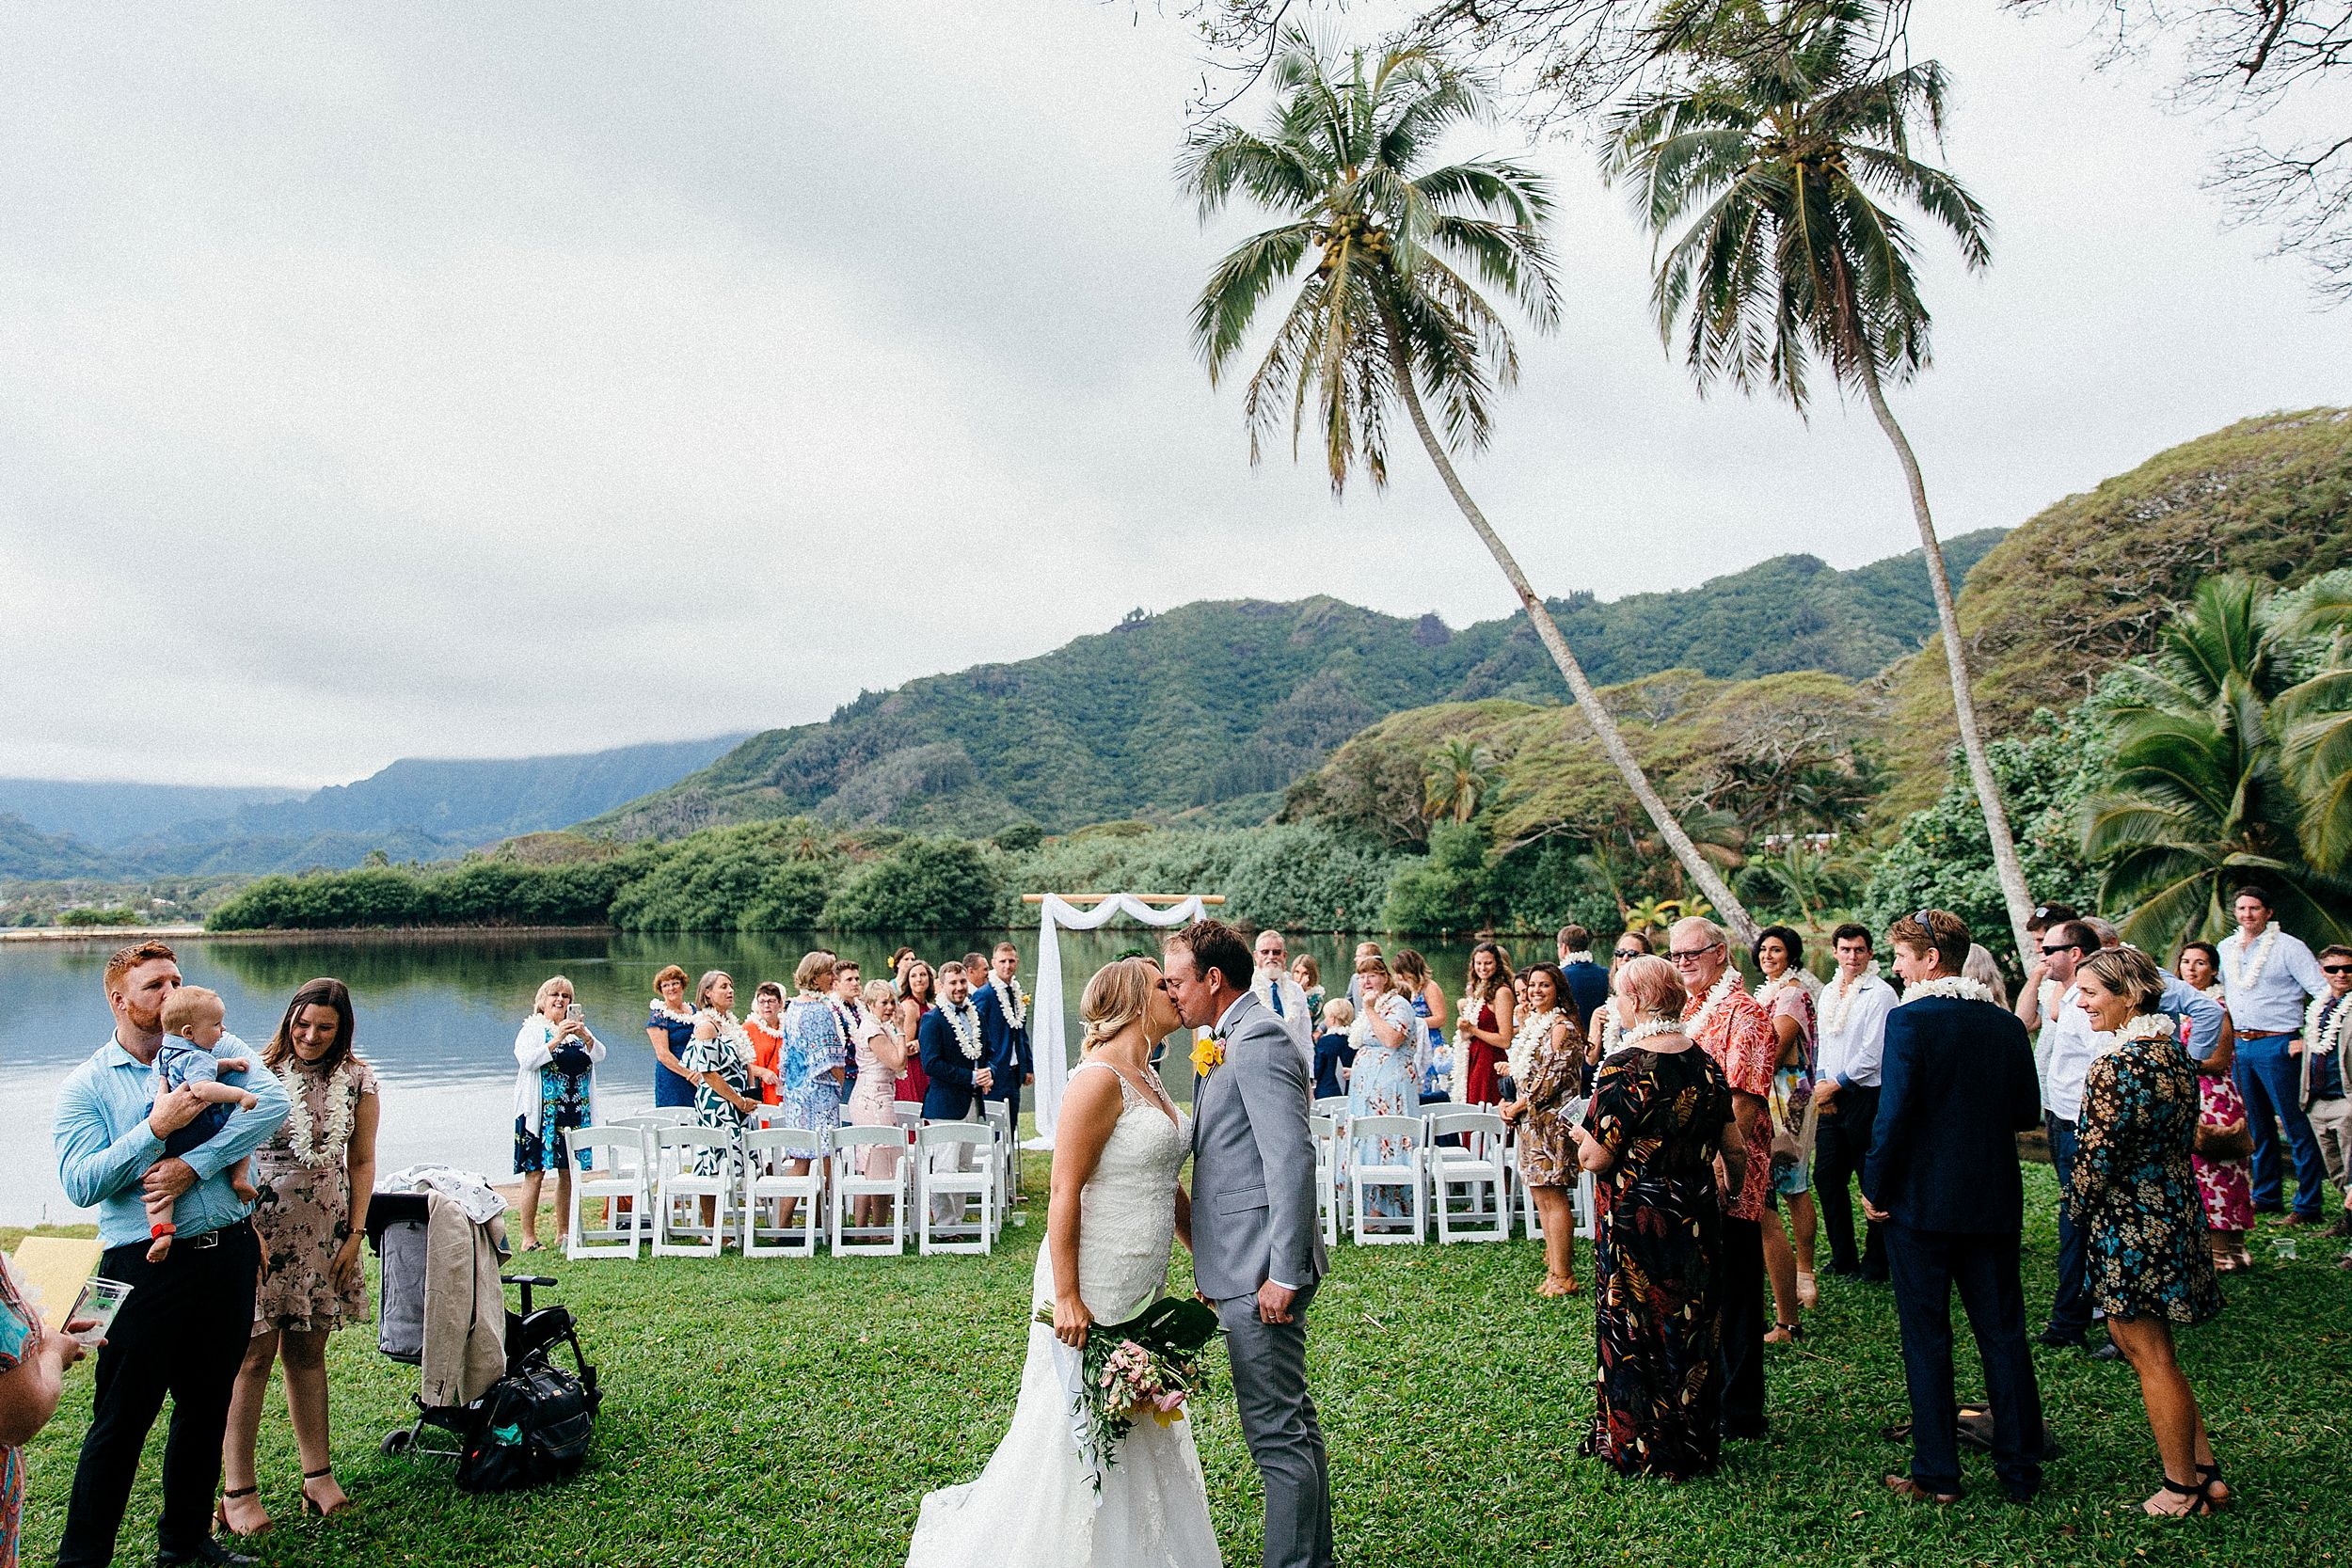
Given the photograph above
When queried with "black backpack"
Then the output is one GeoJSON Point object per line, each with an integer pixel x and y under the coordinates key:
{"type": "Point", "coordinates": [533, 1428]}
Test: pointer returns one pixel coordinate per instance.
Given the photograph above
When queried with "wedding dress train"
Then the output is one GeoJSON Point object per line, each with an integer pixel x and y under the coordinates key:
{"type": "Point", "coordinates": [1035, 1503]}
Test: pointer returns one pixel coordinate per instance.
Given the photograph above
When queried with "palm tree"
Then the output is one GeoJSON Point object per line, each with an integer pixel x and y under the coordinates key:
{"type": "Point", "coordinates": [1775, 143]}
{"type": "Point", "coordinates": [1462, 773]}
{"type": "Point", "coordinates": [2316, 715]}
{"type": "Point", "coordinates": [1393, 253]}
{"type": "Point", "coordinates": [2202, 801]}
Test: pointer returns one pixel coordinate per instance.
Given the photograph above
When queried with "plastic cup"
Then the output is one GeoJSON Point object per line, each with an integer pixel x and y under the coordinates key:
{"type": "Point", "coordinates": [101, 1299]}
{"type": "Point", "coordinates": [2282, 1248]}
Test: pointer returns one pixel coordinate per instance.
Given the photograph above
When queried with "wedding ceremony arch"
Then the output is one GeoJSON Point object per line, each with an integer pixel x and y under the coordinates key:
{"type": "Point", "coordinates": [1049, 1039]}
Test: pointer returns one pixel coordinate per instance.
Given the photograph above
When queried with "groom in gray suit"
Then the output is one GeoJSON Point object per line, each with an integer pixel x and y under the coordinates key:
{"type": "Point", "coordinates": [1257, 1250]}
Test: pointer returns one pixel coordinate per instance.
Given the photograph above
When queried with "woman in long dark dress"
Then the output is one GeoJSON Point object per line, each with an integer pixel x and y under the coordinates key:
{"type": "Point", "coordinates": [1660, 1113]}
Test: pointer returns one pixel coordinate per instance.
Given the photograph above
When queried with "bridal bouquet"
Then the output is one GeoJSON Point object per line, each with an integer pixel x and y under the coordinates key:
{"type": "Point", "coordinates": [1144, 1366]}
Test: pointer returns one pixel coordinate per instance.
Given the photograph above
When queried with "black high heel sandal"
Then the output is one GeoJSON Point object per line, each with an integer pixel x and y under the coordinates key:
{"type": "Point", "coordinates": [220, 1511]}
{"type": "Point", "coordinates": [311, 1505]}
{"type": "Point", "coordinates": [2203, 1503]}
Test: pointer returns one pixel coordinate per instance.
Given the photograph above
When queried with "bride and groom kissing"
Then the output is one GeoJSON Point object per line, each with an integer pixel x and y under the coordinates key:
{"type": "Point", "coordinates": [1257, 1256]}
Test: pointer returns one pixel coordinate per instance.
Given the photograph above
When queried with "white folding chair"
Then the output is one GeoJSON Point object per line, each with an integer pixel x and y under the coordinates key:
{"type": "Point", "coordinates": [770, 1183]}
{"type": "Point", "coordinates": [1330, 1199]}
{"type": "Point", "coordinates": [1008, 1152]}
{"type": "Point", "coordinates": [1334, 1106]}
{"type": "Point", "coordinates": [850, 1183]}
{"type": "Point", "coordinates": [645, 1123]}
{"type": "Point", "coordinates": [674, 1148]}
{"type": "Point", "coordinates": [972, 1142]}
{"type": "Point", "coordinates": [1405, 1167]}
{"type": "Point", "coordinates": [1478, 1166]}
{"type": "Point", "coordinates": [616, 1172]}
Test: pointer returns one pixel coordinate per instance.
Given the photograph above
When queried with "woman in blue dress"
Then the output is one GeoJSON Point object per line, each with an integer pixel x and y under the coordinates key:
{"type": "Point", "coordinates": [1414, 981]}
{"type": "Point", "coordinates": [813, 1063]}
{"type": "Point", "coordinates": [669, 1028]}
{"type": "Point", "coordinates": [1387, 1035]}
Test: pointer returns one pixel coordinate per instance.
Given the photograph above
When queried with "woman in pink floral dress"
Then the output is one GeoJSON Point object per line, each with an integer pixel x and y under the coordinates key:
{"type": "Point", "coordinates": [2225, 1186]}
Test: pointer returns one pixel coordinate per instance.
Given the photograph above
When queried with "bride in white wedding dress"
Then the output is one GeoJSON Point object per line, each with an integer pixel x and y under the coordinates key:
{"type": "Point", "coordinates": [1119, 1143]}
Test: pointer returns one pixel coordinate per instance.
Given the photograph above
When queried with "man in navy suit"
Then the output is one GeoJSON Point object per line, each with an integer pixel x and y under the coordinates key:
{"type": "Point", "coordinates": [1005, 1028]}
{"type": "Point", "coordinates": [956, 1079]}
{"type": "Point", "coordinates": [1588, 982]}
{"type": "Point", "coordinates": [1957, 1085]}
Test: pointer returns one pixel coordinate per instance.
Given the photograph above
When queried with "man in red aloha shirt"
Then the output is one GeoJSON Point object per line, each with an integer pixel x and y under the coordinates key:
{"type": "Point", "coordinates": [1727, 1023]}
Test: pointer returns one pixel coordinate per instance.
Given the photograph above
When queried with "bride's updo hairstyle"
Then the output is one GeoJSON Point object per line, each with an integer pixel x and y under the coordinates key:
{"type": "Point", "coordinates": [1118, 995]}
{"type": "Point", "coordinates": [1651, 988]}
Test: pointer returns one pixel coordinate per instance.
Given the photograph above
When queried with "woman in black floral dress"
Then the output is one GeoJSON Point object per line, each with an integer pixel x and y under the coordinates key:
{"type": "Point", "coordinates": [2134, 1199]}
{"type": "Point", "coordinates": [1660, 1113]}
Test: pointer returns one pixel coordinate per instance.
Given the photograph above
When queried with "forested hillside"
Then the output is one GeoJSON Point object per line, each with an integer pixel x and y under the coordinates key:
{"type": "Point", "coordinates": [1215, 708]}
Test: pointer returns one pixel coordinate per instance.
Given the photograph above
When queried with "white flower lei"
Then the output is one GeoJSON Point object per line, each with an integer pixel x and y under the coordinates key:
{"type": "Point", "coordinates": [679, 1015]}
{"type": "Point", "coordinates": [1842, 994]}
{"type": "Point", "coordinates": [731, 1032]}
{"type": "Point", "coordinates": [1605, 1032]}
{"type": "Point", "coordinates": [966, 1022]}
{"type": "Point", "coordinates": [1008, 997]}
{"type": "Point", "coordinates": [1582, 957]}
{"type": "Point", "coordinates": [2243, 979]}
{"type": "Point", "coordinates": [2141, 1026]}
{"type": "Point", "coordinates": [1649, 1030]}
{"type": "Point", "coordinates": [1532, 1031]}
{"type": "Point", "coordinates": [2319, 1041]}
{"type": "Point", "coordinates": [1717, 995]}
{"type": "Point", "coordinates": [1773, 988]}
{"type": "Point", "coordinates": [1958, 985]}
{"type": "Point", "coordinates": [325, 1150]}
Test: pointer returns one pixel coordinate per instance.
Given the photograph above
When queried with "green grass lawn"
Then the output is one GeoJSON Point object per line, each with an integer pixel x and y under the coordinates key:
{"type": "Point", "coordinates": [790, 1412]}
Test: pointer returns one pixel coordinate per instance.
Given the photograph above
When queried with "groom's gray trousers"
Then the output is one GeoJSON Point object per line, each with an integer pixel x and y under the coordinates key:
{"type": "Point", "coordinates": [1277, 1420]}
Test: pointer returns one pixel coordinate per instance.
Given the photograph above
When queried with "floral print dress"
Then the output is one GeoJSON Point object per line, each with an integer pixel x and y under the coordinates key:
{"type": "Point", "coordinates": [1384, 1085]}
{"type": "Point", "coordinates": [1554, 1074]}
{"type": "Point", "coordinates": [303, 1214]}
{"type": "Point", "coordinates": [2135, 1196]}
{"type": "Point", "coordinates": [728, 1054]}
{"type": "Point", "coordinates": [1656, 1255]}
{"type": "Point", "coordinates": [2226, 1187]}
{"type": "Point", "coordinates": [814, 1051]}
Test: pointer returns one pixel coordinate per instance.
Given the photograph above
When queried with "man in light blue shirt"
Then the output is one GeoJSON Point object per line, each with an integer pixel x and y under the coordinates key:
{"type": "Point", "coordinates": [2269, 979]}
{"type": "Point", "coordinates": [183, 1330]}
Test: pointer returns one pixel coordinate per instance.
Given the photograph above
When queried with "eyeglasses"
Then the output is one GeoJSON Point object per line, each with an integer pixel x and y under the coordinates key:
{"type": "Point", "coordinates": [2061, 947]}
{"type": "Point", "coordinates": [2335, 969]}
{"type": "Point", "coordinates": [1692, 955]}
{"type": "Point", "coordinates": [1628, 953]}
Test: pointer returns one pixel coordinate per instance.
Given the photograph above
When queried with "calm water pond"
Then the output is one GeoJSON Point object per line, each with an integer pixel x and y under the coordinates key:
{"type": "Point", "coordinates": [437, 1019]}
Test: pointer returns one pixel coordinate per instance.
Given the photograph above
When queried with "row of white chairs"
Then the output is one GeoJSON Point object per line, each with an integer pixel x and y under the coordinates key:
{"type": "Point", "coordinates": [951, 1183]}
{"type": "Point", "coordinates": [1456, 1167]}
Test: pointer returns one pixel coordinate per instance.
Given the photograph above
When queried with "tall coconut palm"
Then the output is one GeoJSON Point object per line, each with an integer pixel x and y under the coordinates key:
{"type": "Point", "coordinates": [1389, 255]}
{"type": "Point", "coordinates": [1462, 774]}
{"type": "Point", "coordinates": [1761, 166]}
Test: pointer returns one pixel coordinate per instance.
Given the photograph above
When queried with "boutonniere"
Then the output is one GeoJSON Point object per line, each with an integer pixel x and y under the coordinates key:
{"type": "Point", "coordinates": [1207, 1057]}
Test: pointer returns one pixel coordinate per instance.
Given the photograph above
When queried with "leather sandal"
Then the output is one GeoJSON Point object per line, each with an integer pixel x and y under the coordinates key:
{"type": "Point", "coordinates": [311, 1505]}
{"type": "Point", "coordinates": [220, 1512]}
{"type": "Point", "coordinates": [2199, 1502]}
{"type": "Point", "coordinates": [2209, 1479]}
{"type": "Point", "coordinates": [1783, 1334]}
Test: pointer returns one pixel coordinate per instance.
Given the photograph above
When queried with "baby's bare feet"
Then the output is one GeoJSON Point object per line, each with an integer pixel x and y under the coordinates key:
{"type": "Point", "coordinates": [247, 1192]}
{"type": "Point", "coordinates": [159, 1249]}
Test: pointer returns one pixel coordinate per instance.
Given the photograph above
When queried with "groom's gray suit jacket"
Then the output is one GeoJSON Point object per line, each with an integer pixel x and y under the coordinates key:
{"type": "Point", "coordinates": [1253, 1162]}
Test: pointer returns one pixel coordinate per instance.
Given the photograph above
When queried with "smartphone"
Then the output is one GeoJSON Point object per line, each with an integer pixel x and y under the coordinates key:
{"type": "Point", "coordinates": [571, 1013]}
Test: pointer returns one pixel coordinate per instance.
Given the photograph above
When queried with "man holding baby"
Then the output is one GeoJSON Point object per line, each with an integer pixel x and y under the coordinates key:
{"type": "Point", "coordinates": [181, 1332]}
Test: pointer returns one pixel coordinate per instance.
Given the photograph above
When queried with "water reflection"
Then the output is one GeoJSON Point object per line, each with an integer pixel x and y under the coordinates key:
{"type": "Point", "coordinates": [436, 1017]}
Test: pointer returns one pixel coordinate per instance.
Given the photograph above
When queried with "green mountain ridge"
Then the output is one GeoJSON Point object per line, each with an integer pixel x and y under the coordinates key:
{"type": "Point", "coordinates": [1207, 712]}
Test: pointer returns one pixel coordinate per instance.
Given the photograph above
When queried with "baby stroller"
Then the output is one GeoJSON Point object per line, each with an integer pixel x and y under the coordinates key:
{"type": "Point", "coordinates": [531, 1426]}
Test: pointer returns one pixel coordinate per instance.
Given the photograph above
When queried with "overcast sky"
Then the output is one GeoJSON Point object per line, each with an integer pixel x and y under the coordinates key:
{"type": "Point", "coordinates": [475, 380]}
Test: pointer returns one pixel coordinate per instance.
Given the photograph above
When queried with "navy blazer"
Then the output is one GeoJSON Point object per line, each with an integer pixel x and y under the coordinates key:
{"type": "Point", "coordinates": [949, 1094]}
{"type": "Point", "coordinates": [1003, 1048]}
{"type": "Point", "coordinates": [1588, 987]}
{"type": "Point", "coordinates": [1956, 1086]}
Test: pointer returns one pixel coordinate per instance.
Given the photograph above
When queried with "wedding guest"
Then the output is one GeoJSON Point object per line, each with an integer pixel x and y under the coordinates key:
{"type": "Point", "coordinates": [917, 982]}
{"type": "Point", "coordinates": [719, 1055]}
{"type": "Point", "coordinates": [816, 1053]}
{"type": "Point", "coordinates": [2225, 1183]}
{"type": "Point", "coordinates": [669, 1026]}
{"type": "Point", "coordinates": [899, 958]}
{"type": "Point", "coordinates": [1309, 976]}
{"type": "Point", "coordinates": [2134, 1199]}
{"type": "Point", "coordinates": [1483, 1035]}
{"type": "Point", "coordinates": [1410, 978]}
{"type": "Point", "coordinates": [2324, 1101]}
{"type": "Point", "coordinates": [1386, 1038]}
{"type": "Point", "coordinates": [1282, 996]}
{"type": "Point", "coordinates": [976, 971]}
{"type": "Point", "coordinates": [849, 988]}
{"type": "Point", "coordinates": [181, 1331]}
{"type": "Point", "coordinates": [2267, 978]}
{"type": "Point", "coordinates": [1779, 955]}
{"type": "Point", "coordinates": [1722, 1020]}
{"type": "Point", "coordinates": [1588, 982]}
{"type": "Point", "coordinates": [1334, 1055]}
{"type": "Point", "coordinates": [1853, 1010]}
{"type": "Point", "coordinates": [1942, 1181]}
{"type": "Point", "coordinates": [1660, 1119]}
{"type": "Point", "coordinates": [555, 1064]}
{"type": "Point", "coordinates": [1598, 1043]}
{"type": "Point", "coordinates": [1004, 1012]}
{"type": "Point", "coordinates": [765, 1029]}
{"type": "Point", "coordinates": [1985, 969]}
{"type": "Point", "coordinates": [315, 1173]}
{"type": "Point", "coordinates": [33, 1360]}
{"type": "Point", "coordinates": [882, 1056]}
{"type": "Point", "coordinates": [1355, 988]}
{"type": "Point", "coordinates": [1546, 1057]}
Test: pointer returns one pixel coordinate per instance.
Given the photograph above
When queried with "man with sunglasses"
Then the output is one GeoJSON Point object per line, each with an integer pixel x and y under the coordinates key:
{"type": "Point", "coordinates": [2324, 1028]}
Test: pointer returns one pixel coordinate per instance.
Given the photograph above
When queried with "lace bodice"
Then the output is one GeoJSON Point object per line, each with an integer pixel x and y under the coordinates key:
{"type": "Point", "coordinates": [1127, 1208]}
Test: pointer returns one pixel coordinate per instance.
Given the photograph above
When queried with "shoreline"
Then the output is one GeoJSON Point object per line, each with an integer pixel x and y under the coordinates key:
{"type": "Point", "coordinates": [121, 934]}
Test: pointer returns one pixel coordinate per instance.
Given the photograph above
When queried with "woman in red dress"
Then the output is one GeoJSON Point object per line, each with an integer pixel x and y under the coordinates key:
{"type": "Point", "coordinates": [914, 1000]}
{"type": "Point", "coordinates": [1482, 1037]}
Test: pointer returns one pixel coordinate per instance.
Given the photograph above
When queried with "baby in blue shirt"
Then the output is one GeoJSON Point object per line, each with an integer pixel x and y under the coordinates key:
{"type": "Point", "coordinates": [194, 1020]}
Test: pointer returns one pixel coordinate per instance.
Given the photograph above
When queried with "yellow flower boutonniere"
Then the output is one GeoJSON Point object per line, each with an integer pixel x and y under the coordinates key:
{"type": "Point", "coordinates": [1207, 1057]}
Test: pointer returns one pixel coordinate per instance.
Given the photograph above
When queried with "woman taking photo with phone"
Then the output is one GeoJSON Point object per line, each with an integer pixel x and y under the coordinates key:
{"type": "Point", "coordinates": [555, 1059]}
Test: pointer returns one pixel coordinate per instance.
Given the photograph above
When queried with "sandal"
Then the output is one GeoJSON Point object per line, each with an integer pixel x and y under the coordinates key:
{"type": "Point", "coordinates": [311, 1505]}
{"type": "Point", "coordinates": [1557, 1285]}
{"type": "Point", "coordinates": [2209, 1478]}
{"type": "Point", "coordinates": [220, 1511]}
{"type": "Point", "coordinates": [1783, 1334]}
{"type": "Point", "coordinates": [1910, 1491]}
{"type": "Point", "coordinates": [2199, 1502]}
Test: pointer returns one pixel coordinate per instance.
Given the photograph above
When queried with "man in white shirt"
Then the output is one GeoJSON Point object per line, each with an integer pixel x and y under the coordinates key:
{"type": "Point", "coordinates": [2267, 979]}
{"type": "Point", "coordinates": [1281, 996]}
{"type": "Point", "coordinates": [1853, 1035]}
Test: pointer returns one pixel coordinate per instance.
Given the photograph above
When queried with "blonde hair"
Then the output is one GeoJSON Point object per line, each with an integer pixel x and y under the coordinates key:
{"type": "Point", "coordinates": [2130, 973]}
{"type": "Point", "coordinates": [814, 967]}
{"type": "Point", "coordinates": [191, 1006]}
{"type": "Point", "coordinates": [879, 996]}
{"type": "Point", "coordinates": [1651, 986]}
{"type": "Point", "coordinates": [1338, 1012]}
{"type": "Point", "coordinates": [1120, 994]}
{"type": "Point", "coordinates": [547, 988]}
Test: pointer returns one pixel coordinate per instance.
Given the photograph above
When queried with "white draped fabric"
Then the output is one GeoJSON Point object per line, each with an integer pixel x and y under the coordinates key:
{"type": "Point", "coordinates": [1049, 1045]}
